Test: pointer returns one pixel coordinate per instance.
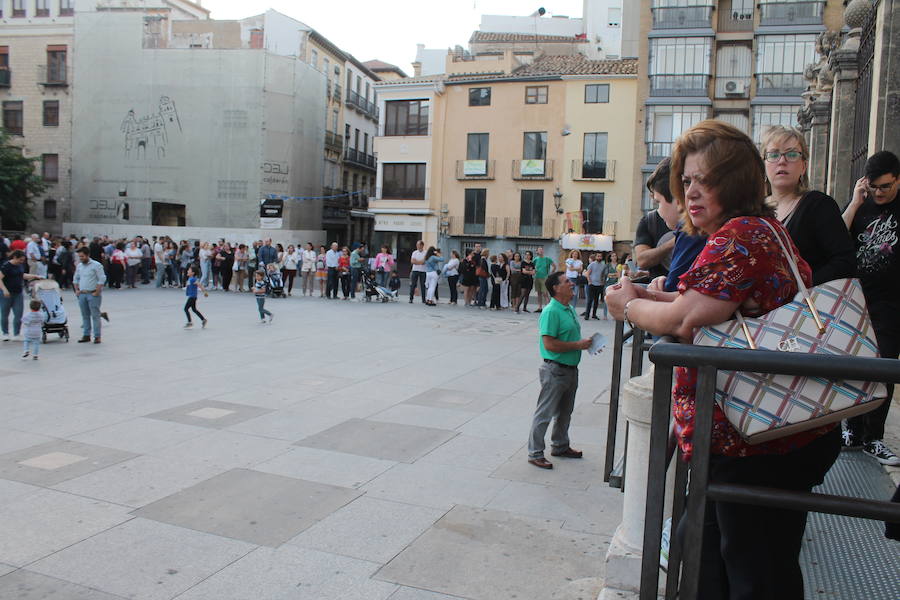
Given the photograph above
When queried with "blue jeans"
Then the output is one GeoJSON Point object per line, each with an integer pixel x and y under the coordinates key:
{"type": "Point", "coordinates": [32, 345]}
{"type": "Point", "coordinates": [354, 279]}
{"type": "Point", "coordinates": [260, 306]}
{"type": "Point", "coordinates": [160, 274]}
{"type": "Point", "coordinates": [16, 303]}
{"type": "Point", "coordinates": [205, 273]}
{"type": "Point", "coordinates": [481, 296]}
{"type": "Point", "coordinates": [90, 313]}
{"type": "Point", "coordinates": [381, 278]}
{"type": "Point", "coordinates": [417, 276]}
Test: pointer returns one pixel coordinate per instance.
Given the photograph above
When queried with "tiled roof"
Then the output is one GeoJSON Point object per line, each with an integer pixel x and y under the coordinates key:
{"type": "Point", "coordinates": [490, 36]}
{"type": "Point", "coordinates": [578, 65]}
{"type": "Point", "coordinates": [404, 80]}
{"type": "Point", "coordinates": [377, 65]}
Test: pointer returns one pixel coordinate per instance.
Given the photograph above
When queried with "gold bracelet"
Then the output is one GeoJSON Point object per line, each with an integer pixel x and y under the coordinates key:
{"type": "Point", "coordinates": [625, 312]}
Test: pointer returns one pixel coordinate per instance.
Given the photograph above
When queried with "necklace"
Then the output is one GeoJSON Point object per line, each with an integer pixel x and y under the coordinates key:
{"type": "Point", "coordinates": [784, 215]}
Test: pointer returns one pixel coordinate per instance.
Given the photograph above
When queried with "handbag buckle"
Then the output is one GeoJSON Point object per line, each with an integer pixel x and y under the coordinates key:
{"type": "Point", "coordinates": [789, 345]}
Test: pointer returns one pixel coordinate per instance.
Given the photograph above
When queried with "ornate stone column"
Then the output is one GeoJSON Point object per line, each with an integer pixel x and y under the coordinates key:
{"type": "Point", "coordinates": [886, 95]}
{"type": "Point", "coordinates": [819, 130]}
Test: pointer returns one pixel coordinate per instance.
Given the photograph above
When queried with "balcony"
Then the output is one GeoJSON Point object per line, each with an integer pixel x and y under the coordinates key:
{"type": "Point", "coordinates": [594, 170]}
{"type": "Point", "coordinates": [682, 17]}
{"type": "Point", "coordinates": [780, 84]}
{"type": "Point", "coordinates": [359, 159]}
{"type": "Point", "coordinates": [732, 87]}
{"type": "Point", "coordinates": [693, 84]}
{"type": "Point", "coordinates": [656, 151]}
{"type": "Point", "coordinates": [5, 78]}
{"type": "Point", "coordinates": [333, 141]}
{"type": "Point", "coordinates": [733, 20]}
{"type": "Point", "coordinates": [475, 169]}
{"type": "Point", "coordinates": [791, 13]}
{"type": "Point", "coordinates": [52, 75]}
{"type": "Point", "coordinates": [328, 89]}
{"type": "Point", "coordinates": [513, 228]}
{"type": "Point", "coordinates": [391, 192]}
{"type": "Point", "coordinates": [488, 228]}
{"type": "Point", "coordinates": [368, 109]}
{"type": "Point", "coordinates": [337, 92]}
{"type": "Point", "coordinates": [610, 227]}
{"type": "Point", "coordinates": [532, 169]}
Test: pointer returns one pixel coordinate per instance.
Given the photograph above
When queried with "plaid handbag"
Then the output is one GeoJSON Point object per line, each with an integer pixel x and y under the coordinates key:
{"type": "Point", "coordinates": [828, 319]}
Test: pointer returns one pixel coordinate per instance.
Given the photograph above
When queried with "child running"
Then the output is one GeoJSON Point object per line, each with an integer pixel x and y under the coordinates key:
{"type": "Point", "coordinates": [32, 324]}
{"type": "Point", "coordinates": [191, 292]}
{"type": "Point", "coordinates": [259, 290]}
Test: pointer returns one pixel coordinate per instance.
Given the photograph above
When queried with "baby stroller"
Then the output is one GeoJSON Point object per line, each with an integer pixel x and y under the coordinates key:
{"type": "Point", "coordinates": [48, 293]}
{"type": "Point", "coordinates": [274, 282]}
{"type": "Point", "coordinates": [373, 290]}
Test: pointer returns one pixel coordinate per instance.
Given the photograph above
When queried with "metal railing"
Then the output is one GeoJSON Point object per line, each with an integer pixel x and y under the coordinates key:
{"type": "Point", "coordinates": [791, 13]}
{"type": "Point", "coordinates": [334, 141]}
{"type": "Point", "coordinates": [780, 84]}
{"type": "Point", "coordinates": [459, 226]}
{"type": "Point", "coordinates": [684, 558]}
{"type": "Point", "coordinates": [656, 151]}
{"type": "Point", "coordinates": [513, 228]}
{"type": "Point", "coordinates": [731, 21]}
{"type": "Point", "coordinates": [682, 17]}
{"type": "Point", "coordinates": [360, 159]}
{"type": "Point", "coordinates": [541, 170]}
{"type": "Point", "coordinates": [690, 84]}
{"type": "Point", "coordinates": [337, 92]}
{"type": "Point", "coordinates": [52, 75]}
{"type": "Point", "coordinates": [599, 170]}
{"type": "Point", "coordinates": [369, 109]}
{"type": "Point", "coordinates": [5, 78]}
{"type": "Point", "coordinates": [475, 169]}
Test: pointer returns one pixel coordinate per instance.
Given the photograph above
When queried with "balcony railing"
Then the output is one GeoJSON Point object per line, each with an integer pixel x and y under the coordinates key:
{"type": "Point", "coordinates": [610, 227]}
{"type": "Point", "coordinates": [5, 78]}
{"type": "Point", "coordinates": [682, 17]}
{"type": "Point", "coordinates": [334, 141]}
{"type": "Point", "coordinates": [369, 109]}
{"type": "Point", "coordinates": [732, 20]}
{"type": "Point", "coordinates": [791, 13]}
{"type": "Point", "coordinates": [780, 84]}
{"type": "Point", "coordinates": [360, 159]}
{"type": "Point", "coordinates": [512, 227]}
{"type": "Point", "coordinates": [401, 193]}
{"type": "Point", "coordinates": [656, 151]}
{"type": "Point", "coordinates": [337, 92]}
{"type": "Point", "coordinates": [475, 169]}
{"type": "Point", "coordinates": [594, 170]}
{"type": "Point", "coordinates": [534, 169]}
{"type": "Point", "coordinates": [52, 75]}
{"type": "Point", "coordinates": [459, 226]}
{"type": "Point", "coordinates": [692, 84]}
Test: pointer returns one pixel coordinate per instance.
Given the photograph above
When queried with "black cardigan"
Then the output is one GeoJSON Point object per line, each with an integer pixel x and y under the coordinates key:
{"type": "Point", "coordinates": [822, 238]}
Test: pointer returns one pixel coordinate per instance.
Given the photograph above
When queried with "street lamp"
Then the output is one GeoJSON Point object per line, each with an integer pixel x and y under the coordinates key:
{"type": "Point", "coordinates": [557, 201]}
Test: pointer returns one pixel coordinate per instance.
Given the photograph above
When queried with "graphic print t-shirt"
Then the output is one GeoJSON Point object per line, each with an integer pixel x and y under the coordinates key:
{"type": "Point", "coordinates": [874, 233]}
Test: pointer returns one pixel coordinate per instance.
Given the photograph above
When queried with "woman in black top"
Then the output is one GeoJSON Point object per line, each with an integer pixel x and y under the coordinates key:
{"type": "Point", "coordinates": [526, 282]}
{"type": "Point", "coordinates": [811, 217]}
{"type": "Point", "coordinates": [499, 273]}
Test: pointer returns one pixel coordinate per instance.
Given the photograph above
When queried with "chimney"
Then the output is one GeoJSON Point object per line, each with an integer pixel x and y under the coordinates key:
{"type": "Point", "coordinates": [417, 69]}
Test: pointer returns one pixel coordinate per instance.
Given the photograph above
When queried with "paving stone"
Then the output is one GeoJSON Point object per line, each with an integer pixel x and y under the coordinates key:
{"type": "Point", "coordinates": [227, 449]}
{"type": "Point", "coordinates": [141, 435]}
{"type": "Point", "coordinates": [369, 529]}
{"type": "Point", "coordinates": [4, 569]}
{"type": "Point", "coordinates": [291, 573]}
{"type": "Point", "coordinates": [210, 413]}
{"type": "Point", "coordinates": [467, 400]}
{"type": "Point", "coordinates": [10, 490]}
{"type": "Point", "coordinates": [410, 593]}
{"type": "Point", "coordinates": [423, 416]}
{"type": "Point", "coordinates": [38, 524]}
{"type": "Point", "coordinates": [28, 585]}
{"type": "Point", "coordinates": [493, 379]}
{"type": "Point", "coordinates": [325, 466]}
{"type": "Point", "coordinates": [389, 441]}
{"type": "Point", "coordinates": [543, 558]}
{"type": "Point", "coordinates": [12, 440]}
{"type": "Point", "coordinates": [292, 425]}
{"type": "Point", "coordinates": [472, 452]}
{"type": "Point", "coordinates": [576, 473]}
{"type": "Point", "coordinates": [248, 505]}
{"type": "Point", "coordinates": [53, 420]}
{"type": "Point", "coordinates": [54, 462]}
{"type": "Point", "coordinates": [143, 559]}
{"type": "Point", "coordinates": [499, 427]}
{"type": "Point", "coordinates": [437, 486]}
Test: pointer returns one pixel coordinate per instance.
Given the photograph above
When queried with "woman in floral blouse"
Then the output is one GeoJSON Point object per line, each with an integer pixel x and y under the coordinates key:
{"type": "Point", "coordinates": [718, 179]}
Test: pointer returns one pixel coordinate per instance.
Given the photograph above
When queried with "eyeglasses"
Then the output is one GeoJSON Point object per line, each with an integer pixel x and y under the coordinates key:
{"type": "Point", "coordinates": [790, 156]}
{"type": "Point", "coordinates": [884, 187]}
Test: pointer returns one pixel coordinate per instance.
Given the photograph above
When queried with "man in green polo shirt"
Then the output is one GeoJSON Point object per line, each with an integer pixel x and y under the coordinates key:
{"type": "Point", "coordinates": [561, 345]}
{"type": "Point", "coordinates": [542, 267]}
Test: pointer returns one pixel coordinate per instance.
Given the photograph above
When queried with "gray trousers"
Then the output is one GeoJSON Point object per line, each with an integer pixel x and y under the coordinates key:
{"type": "Point", "coordinates": [556, 401]}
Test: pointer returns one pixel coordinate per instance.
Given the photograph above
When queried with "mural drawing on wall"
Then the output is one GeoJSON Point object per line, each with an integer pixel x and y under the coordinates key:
{"type": "Point", "coordinates": [150, 131]}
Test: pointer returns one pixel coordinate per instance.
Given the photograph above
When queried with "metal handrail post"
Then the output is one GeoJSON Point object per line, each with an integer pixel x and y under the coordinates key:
{"type": "Point", "coordinates": [614, 390]}
{"type": "Point", "coordinates": [637, 351]}
{"type": "Point", "coordinates": [678, 503]}
{"type": "Point", "coordinates": [656, 472]}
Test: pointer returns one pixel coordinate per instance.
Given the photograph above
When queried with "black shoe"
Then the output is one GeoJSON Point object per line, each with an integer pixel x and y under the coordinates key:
{"type": "Point", "coordinates": [84, 339]}
{"type": "Point", "coordinates": [410, 300]}
{"type": "Point", "coordinates": [105, 316]}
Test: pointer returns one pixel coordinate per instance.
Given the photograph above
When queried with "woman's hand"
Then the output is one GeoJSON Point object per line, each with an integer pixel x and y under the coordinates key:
{"type": "Point", "coordinates": [658, 284]}
{"type": "Point", "coordinates": [617, 296]}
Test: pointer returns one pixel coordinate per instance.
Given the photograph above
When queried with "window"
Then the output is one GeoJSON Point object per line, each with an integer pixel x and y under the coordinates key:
{"type": "Point", "coordinates": [12, 117]}
{"type": "Point", "coordinates": [358, 84]}
{"type": "Point", "coordinates": [18, 7]}
{"type": "Point", "coordinates": [50, 209]}
{"type": "Point", "coordinates": [535, 146]}
{"type": "Point", "coordinates": [366, 97]}
{"type": "Point", "coordinates": [536, 94]}
{"type": "Point", "coordinates": [614, 18]}
{"type": "Point", "coordinates": [256, 38]}
{"type": "Point", "coordinates": [314, 58]}
{"type": "Point", "coordinates": [766, 116]}
{"type": "Point", "coordinates": [66, 8]}
{"type": "Point", "coordinates": [325, 66]}
{"type": "Point", "coordinates": [531, 213]}
{"type": "Point", "coordinates": [666, 123]}
{"type": "Point", "coordinates": [334, 122]}
{"type": "Point", "coordinates": [594, 164]}
{"type": "Point", "coordinates": [50, 167]}
{"type": "Point", "coordinates": [592, 211]}
{"type": "Point", "coordinates": [595, 93]}
{"type": "Point", "coordinates": [56, 64]}
{"type": "Point", "coordinates": [51, 113]}
{"type": "Point", "coordinates": [365, 148]}
{"type": "Point", "coordinates": [780, 62]}
{"type": "Point", "coordinates": [406, 117]}
{"type": "Point", "coordinates": [42, 8]}
{"type": "Point", "coordinates": [5, 78]}
{"type": "Point", "coordinates": [480, 96]}
{"type": "Point", "coordinates": [356, 139]}
{"type": "Point", "coordinates": [680, 65]}
{"type": "Point", "coordinates": [403, 180]}
{"type": "Point", "coordinates": [477, 146]}
{"type": "Point", "coordinates": [473, 216]}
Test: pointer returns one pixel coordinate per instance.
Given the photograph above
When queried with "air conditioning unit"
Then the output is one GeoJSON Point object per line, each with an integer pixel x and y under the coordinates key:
{"type": "Point", "coordinates": [735, 87]}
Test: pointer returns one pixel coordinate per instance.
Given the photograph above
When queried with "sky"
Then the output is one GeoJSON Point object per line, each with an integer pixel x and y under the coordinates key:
{"type": "Point", "coordinates": [390, 29]}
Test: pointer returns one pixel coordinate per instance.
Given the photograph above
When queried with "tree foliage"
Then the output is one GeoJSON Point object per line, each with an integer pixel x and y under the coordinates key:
{"type": "Point", "coordinates": [19, 183]}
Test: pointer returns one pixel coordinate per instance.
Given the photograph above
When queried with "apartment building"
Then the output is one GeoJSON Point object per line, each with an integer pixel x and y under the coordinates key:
{"type": "Point", "coordinates": [516, 152]}
{"type": "Point", "coordinates": [361, 115]}
{"type": "Point", "coordinates": [741, 61]}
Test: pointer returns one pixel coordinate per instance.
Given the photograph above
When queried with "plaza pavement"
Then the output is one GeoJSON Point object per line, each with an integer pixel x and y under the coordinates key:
{"type": "Point", "coordinates": [346, 451]}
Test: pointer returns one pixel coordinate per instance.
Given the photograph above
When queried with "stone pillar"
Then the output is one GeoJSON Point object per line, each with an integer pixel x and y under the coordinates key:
{"type": "Point", "coordinates": [886, 95]}
{"type": "Point", "coordinates": [820, 113]}
{"type": "Point", "coordinates": [843, 65]}
{"type": "Point", "coordinates": [623, 559]}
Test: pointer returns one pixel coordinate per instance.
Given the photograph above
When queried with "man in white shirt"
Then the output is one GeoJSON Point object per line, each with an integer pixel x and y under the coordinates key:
{"type": "Point", "coordinates": [133, 258]}
{"type": "Point", "coordinates": [418, 271]}
{"type": "Point", "coordinates": [34, 252]}
{"type": "Point", "coordinates": [331, 263]}
{"type": "Point", "coordinates": [159, 256]}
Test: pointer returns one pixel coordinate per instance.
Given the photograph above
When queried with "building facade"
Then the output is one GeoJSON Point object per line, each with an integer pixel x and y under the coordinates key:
{"type": "Point", "coordinates": [361, 115]}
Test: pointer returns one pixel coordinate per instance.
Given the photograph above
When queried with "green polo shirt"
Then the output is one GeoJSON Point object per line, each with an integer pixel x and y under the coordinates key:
{"type": "Point", "coordinates": [542, 266]}
{"type": "Point", "coordinates": [560, 321]}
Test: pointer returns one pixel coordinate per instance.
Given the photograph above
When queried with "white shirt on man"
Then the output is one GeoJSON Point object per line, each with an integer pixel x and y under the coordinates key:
{"type": "Point", "coordinates": [418, 255]}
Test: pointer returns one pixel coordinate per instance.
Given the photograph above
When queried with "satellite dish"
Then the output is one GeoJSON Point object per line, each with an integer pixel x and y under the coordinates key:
{"type": "Point", "coordinates": [565, 131]}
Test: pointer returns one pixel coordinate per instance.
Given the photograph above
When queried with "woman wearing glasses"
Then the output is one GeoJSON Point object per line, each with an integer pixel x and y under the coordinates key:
{"type": "Point", "coordinates": [811, 217]}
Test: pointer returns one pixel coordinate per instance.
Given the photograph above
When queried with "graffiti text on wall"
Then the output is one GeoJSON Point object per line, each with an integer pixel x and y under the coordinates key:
{"type": "Point", "coordinates": [150, 131]}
